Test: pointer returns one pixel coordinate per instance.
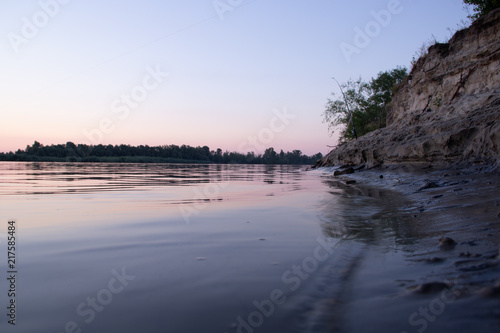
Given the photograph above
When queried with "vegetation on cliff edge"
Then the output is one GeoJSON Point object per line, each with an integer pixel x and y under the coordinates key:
{"type": "Point", "coordinates": [366, 101]}
{"type": "Point", "coordinates": [482, 7]}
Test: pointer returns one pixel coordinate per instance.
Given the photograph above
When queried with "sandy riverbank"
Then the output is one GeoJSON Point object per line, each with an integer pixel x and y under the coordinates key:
{"type": "Point", "coordinates": [452, 285]}
{"type": "Point", "coordinates": [426, 231]}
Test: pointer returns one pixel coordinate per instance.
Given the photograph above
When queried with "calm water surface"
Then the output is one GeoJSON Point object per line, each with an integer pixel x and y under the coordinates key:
{"type": "Point", "coordinates": [188, 248]}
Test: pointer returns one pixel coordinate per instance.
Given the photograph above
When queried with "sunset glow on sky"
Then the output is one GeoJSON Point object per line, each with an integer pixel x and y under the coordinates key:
{"type": "Point", "coordinates": [237, 75]}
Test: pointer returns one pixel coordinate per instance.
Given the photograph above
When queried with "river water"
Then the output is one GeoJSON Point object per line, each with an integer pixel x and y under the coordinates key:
{"type": "Point", "coordinates": [197, 248]}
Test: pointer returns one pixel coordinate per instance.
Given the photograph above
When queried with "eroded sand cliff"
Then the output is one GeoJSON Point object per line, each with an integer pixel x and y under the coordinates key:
{"type": "Point", "coordinates": [447, 112]}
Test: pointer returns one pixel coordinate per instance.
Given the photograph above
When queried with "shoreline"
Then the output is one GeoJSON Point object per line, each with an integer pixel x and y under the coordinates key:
{"type": "Point", "coordinates": [454, 261]}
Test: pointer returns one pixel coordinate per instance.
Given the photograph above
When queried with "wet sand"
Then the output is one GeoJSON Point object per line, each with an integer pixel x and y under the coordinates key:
{"type": "Point", "coordinates": [448, 278]}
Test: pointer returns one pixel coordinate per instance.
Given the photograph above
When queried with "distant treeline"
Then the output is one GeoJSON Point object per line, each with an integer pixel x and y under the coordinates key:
{"type": "Point", "coordinates": [71, 152]}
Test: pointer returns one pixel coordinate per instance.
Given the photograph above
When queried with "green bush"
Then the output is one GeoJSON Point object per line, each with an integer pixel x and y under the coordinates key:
{"type": "Point", "coordinates": [482, 7]}
{"type": "Point", "coordinates": [367, 102]}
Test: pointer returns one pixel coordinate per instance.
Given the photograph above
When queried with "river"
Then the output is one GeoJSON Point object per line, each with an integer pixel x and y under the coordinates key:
{"type": "Point", "coordinates": [199, 248]}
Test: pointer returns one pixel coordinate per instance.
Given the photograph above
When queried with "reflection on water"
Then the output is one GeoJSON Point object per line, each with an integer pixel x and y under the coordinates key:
{"type": "Point", "coordinates": [56, 178]}
{"type": "Point", "coordinates": [187, 248]}
{"type": "Point", "coordinates": [368, 214]}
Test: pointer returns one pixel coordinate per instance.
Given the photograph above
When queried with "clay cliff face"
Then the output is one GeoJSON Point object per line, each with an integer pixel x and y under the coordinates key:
{"type": "Point", "coordinates": [447, 112]}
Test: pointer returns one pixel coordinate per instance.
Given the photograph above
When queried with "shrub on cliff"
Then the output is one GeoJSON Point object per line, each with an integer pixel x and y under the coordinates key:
{"type": "Point", "coordinates": [366, 101]}
{"type": "Point", "coordinates": [482, 7]}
